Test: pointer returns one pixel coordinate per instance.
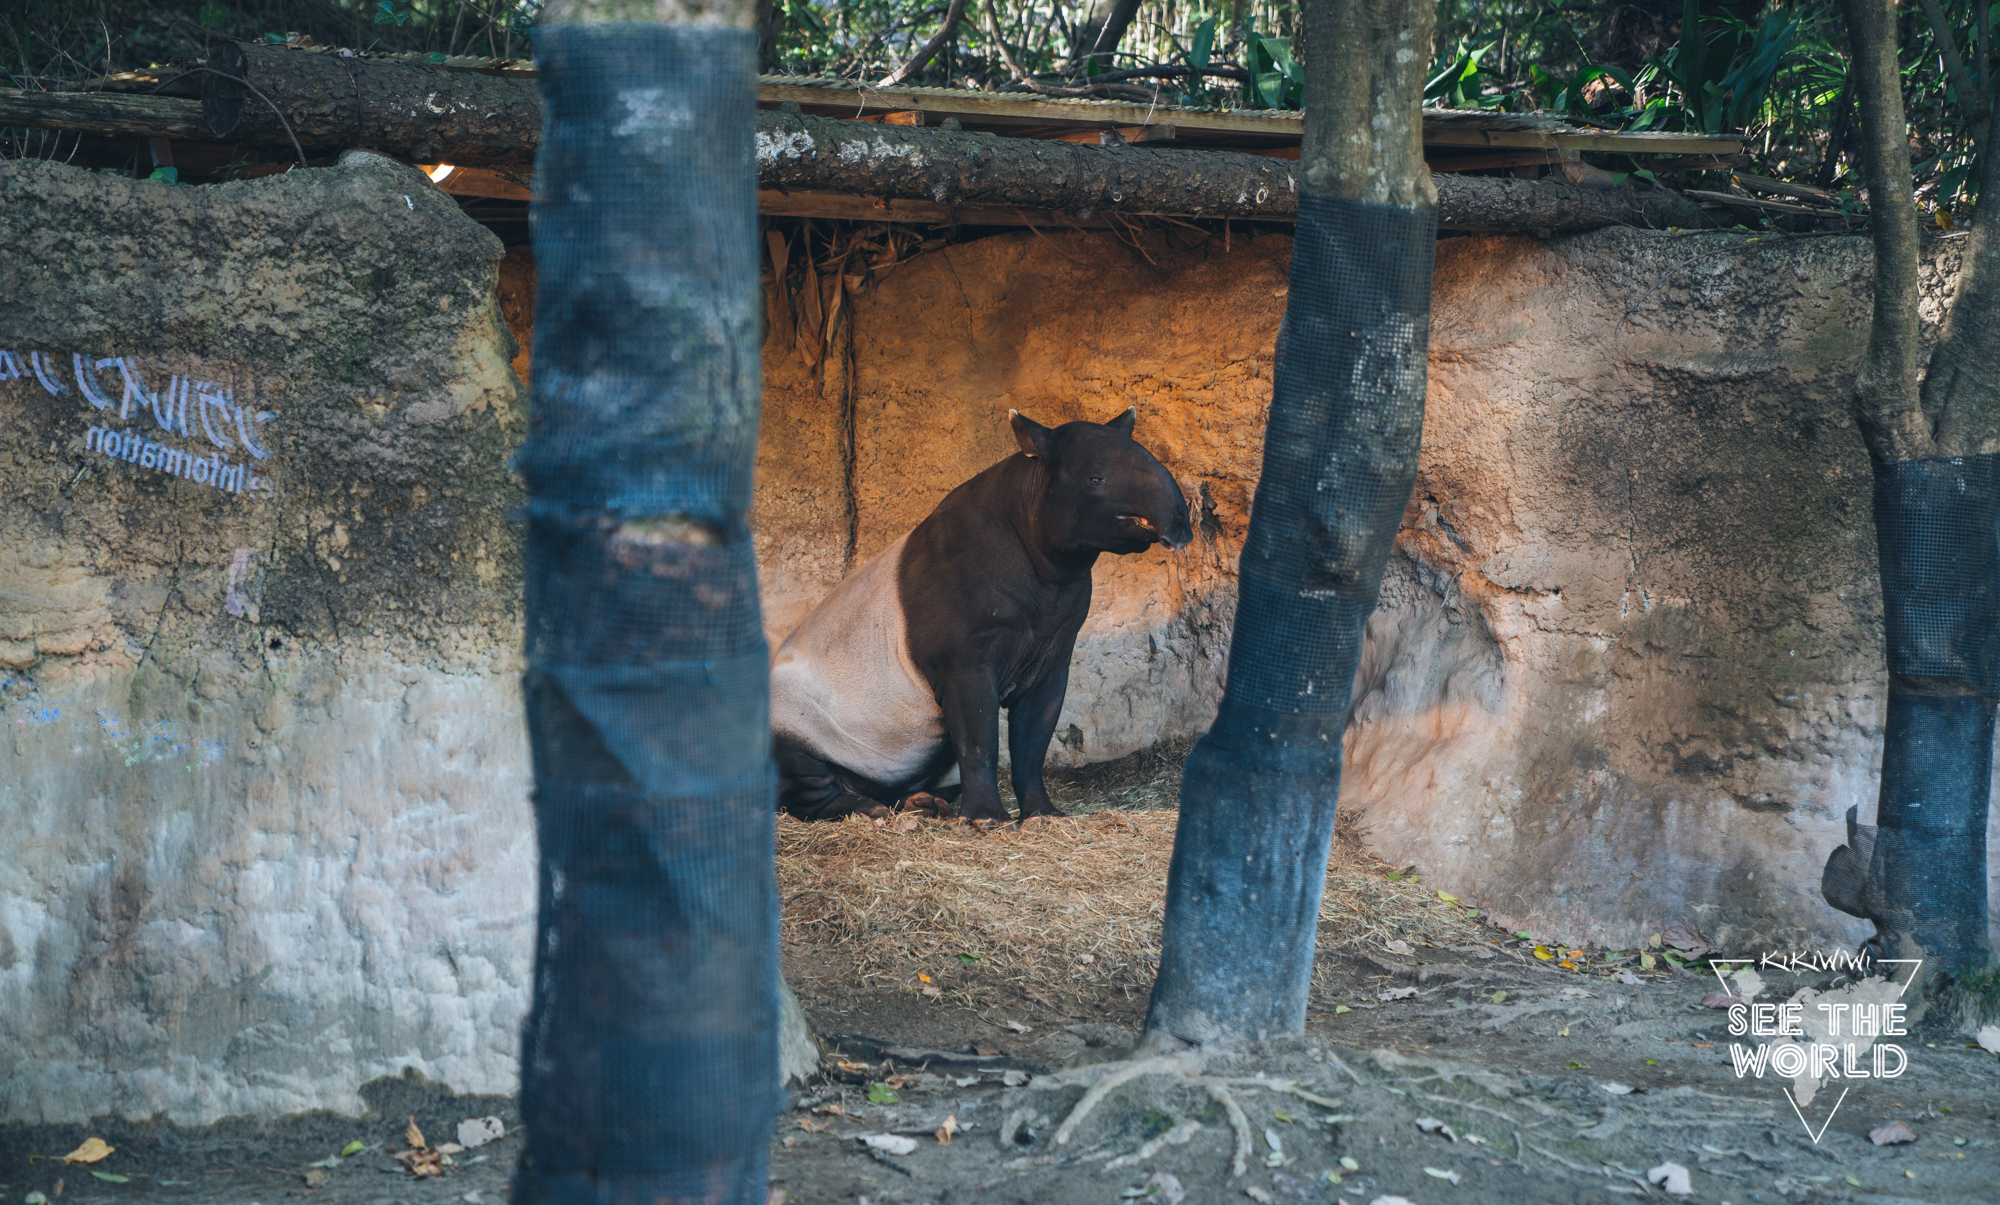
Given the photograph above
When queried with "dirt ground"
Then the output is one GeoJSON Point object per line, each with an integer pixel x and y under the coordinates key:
{"type": "Point", "coordinates": [1505, 1077]}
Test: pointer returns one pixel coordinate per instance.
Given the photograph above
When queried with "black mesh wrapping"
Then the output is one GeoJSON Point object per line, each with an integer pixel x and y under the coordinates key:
{"type": "Point", "coordinates": [1340, 458]}
{"type": "Point", "coordinates": [650, 1062]}
{"type": "Point", "coordinates": [1920, 871]}
{"type": "Point", "coordinates": [1937, 525]}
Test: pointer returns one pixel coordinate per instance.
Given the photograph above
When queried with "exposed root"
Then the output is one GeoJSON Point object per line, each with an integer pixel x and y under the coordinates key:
{"type": "Point", "coordinates": [1170, 1064]}
{"type": "Point", "coordinates": [1237, 1121]}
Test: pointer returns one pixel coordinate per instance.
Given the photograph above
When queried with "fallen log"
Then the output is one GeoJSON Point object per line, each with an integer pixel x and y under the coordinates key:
{"type": "Point", "coordinates": [423, 114]}
{"type": "Point", "coordinates": [947, 166]}
{"type": "Point", "coordinates": [471, 120]}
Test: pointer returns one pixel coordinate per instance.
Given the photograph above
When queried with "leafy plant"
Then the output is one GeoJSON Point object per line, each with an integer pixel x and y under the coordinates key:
{"type": "Point", "coordinates": [386, 14]}
{"type": "Point", "coordinates": [1276, 81]}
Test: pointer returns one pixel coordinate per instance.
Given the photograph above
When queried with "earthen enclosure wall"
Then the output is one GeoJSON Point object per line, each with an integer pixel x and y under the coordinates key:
{"type": "Point", "coordinates": [267, 776]}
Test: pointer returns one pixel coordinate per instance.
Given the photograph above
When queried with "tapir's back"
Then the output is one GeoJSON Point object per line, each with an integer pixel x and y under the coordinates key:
{"type": "Point", "coordinates": [843, 684]}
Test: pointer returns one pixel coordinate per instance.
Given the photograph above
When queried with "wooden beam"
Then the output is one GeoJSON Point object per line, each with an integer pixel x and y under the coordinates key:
{"type": "Point", "coordinates": [847, 208]}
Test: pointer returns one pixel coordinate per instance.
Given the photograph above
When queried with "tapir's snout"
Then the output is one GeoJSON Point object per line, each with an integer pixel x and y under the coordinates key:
{"type": "Point", "coordinates": [1169, 522]}
{"type": "Point", "coordinates": [1178, 534]}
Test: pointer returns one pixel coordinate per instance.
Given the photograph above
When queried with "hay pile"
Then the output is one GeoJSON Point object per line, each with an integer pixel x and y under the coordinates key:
{"type": "Point", "coordinates": [1063, 909]}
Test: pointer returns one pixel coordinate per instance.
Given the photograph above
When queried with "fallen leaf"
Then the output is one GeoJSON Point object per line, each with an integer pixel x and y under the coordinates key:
{"type": "Point", "coordinates": [1646, 961]}
{"type": "Point", "coordinates": [1348, 1162]}
{"type": "Point", "coordinates": [1721, 999]}
{"type": "Point", "coordinates": [923, 978]}
{"type": "Point", "coordinates": [1687, 940]}
{"type": "Point", "coordinates": [813, 1127]}
{"type": "Point", "coordinates": [1542, 952]}
{"type": "Point", "coordinates": [1672, 1177]}
{"type": "Point", "coordinates": [353, 1148]}
{"type": "Point", "coordinates": [844, 1065]}
{"type": "Point", "coordinates": [478, 1131]}
{"type": "Point", "coordinates": [906, 823]}
{"type": "Point", "coordinates": [1017, 1027]}
{"type": "Point", "coordinates": [946, 1130]}
{"type": "Point", "coordinates": [1272, 1140]}
{"type": "Point", "coordinates": [35, 1198]}
{"type": "Point", "coordinates": [836, 1109]}
{"type": "Point", "coordinates": [1615, 1088]}
{"type": "Point", "coordinates": [56, 1189]}
{"type": "Point", "coordinates": [1014, 1077]}
{"type": "Point", "coordinates": [1396, 993]}
{"type": "Point", "coordinates": [1399, 946]}
{"type": "Point", "coordinates": [774, 1197]}
{"type": "Point", "coordinates": [1389, 1200]}
{"type": "Point", "coordinates": [1499, 997]}
{"type": "Point", "coordinates": [315, 1177]}
{"type": "Point", "coordinates": [1575, 1066]}
{"type": "Point", "coordinates": [1341, 1008]}
{"type": "Point", "coordinates": [92, 1150]}
{"type": "Point", "coordinates": [1623, 976]}
{"type": "Point", "coordinates": [985, 1052]}
{"type": "Point", "coordinates": [1442, 1174]}
{"type": "Point", "coordinates": [1475, 1140]}
{"type": "Point", "coordinates": [881, 1094]}
{"type": "Point", "coordinates": [934, 992]}
{"type": "Point", "coordinates": [1449, 899]}
{"type": "Point", "coordinates": [1563, 1032]}
{"type": "Point", "coordinates": [1567, 965]}
{"type": "Point", "coordinates": [414, 1136]}
{"type": "Point", "coordinates": [1893, 1134]}
{"type": "Point", "coordinates": [888, 1144]}
{"type": "Point", "coordinates": [1431, 1125]}
{"type": "Point", "coordinates": [1257, 1194]}
{"type": "Point", "coordinates": [1989, 1038]}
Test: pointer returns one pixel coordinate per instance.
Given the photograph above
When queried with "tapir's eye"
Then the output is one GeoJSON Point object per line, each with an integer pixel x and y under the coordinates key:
{"type": "Point", "coordinates": [1097, 481]}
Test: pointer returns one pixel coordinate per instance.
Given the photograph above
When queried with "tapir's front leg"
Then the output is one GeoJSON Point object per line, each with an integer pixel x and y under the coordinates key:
{"type": "Point", "coordinates": [1031, 721]}
{"type": "Point", "coordinates": [971, 705]}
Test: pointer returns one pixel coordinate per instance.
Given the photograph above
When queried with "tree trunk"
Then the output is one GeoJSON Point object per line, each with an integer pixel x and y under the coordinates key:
{"type": "Point", "coordinates": [651, 1057]}
{"type": "Point", "coordinates": [1920, 872]}
{"type": "Point", "coordinates": [1098, 33]}
{"type": "Point", "coordinates": [1340, 458]}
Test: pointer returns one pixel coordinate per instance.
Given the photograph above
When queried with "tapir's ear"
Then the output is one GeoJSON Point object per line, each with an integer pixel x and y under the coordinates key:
{"type": "Point", "coordinates": [1034, 438]}
{"type": "Point", "coordinates": [1123, 423]}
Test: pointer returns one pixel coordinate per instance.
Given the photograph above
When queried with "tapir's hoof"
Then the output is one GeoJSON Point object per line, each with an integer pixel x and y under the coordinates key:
{"type": "Point", "coordinates": [983, 824]}
{"type": "Point", "coordinates": [923, 803]}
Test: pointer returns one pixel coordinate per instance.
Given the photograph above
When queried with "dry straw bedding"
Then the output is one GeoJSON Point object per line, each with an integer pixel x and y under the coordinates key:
{"type": "Point", "coordinates": [1061, 908]}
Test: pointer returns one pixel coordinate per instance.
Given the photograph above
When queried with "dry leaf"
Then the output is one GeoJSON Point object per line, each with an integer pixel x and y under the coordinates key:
{"type": "Point", "coordinates": [316, 1176]}
{"type": "Point", "coordinates": [478, 1131]}
{"type": "Point", "coordinates": [836, 1109]}
{"type": "Point", "coordinates": [907, 823]}
{"type": "Point", "coordinates": [449, 1148]}
{"type": "Point", "coordinates": [934, 992]}
{"type": "Point", "coordinates": [813, 1127]}
{"type": "Point", "coordinates": [1442, 1174]}
{"type": "Point", "coordinates": [1672, 1177]}
{"type": "Point", "coordinates": [1720, 999]}
{"type": "Point", "coordinates": [1399, 946]}
{"type": "Point", "coordinates": [1894, 1134]}
{"type": "Point", "coordinates": [1615, 1088]}
{"type": "Point", "coordinates": [1014, 1078]}
{"type": "Point", "coordinates": [1431, 1125]}
{"type": "Point", "coordinates": [92, 1150]}
{"type": "Point", "coordinates": [1623, 976]}
{"type": "Point", "coordinates": [1989, 1038]}
{"type": "Point", "coordinates": [888, 1144]}
{"type": "Point", "coordinates": [414, 1136]}
{"type": "Point", "coordinates": [946, 1130]}
{"type": "Point", "coordinates": [987, 1052]}
{"type": "Point", "coordinates": [1017, 1027]}
{"type": "Point", "coordinates": [1257, 1194]}
{"type": "Point", "coordinates": [1396, 993]}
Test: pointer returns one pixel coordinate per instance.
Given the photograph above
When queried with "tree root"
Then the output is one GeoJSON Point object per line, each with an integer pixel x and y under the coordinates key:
{"type": "Point", "coordinates": [1187, 1068]}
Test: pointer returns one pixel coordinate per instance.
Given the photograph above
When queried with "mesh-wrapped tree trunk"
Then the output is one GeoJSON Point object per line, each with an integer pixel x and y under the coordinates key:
{"type": "Point", "coordinates": [650, 1065]}
{"type": "Point", "coordinates": [1920, 872]}
{"type": "Point", "coordinates": [1340, 458]}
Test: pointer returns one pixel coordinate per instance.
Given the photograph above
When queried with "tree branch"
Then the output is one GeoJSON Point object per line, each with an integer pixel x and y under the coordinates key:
{"type": "Point", "coordinates": [1972, 99]}
{"type": "Point", "coordinates": [929, 49]}
{"type": "Point", "coordinates": [1032, 84]}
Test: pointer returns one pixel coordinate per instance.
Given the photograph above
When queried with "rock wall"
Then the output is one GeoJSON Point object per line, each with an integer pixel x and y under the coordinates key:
{"type": "Point", "coordinates": [265, 775]}
{"type": "Point", "coordinates": [259, 680]}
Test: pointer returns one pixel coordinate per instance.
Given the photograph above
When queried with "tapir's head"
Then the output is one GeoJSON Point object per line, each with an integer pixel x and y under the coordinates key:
{"type": "Point", "coordinates": [1101, 491]}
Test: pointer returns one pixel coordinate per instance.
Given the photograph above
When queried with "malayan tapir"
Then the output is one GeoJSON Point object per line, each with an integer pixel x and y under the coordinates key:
{"type": "Point", "coordinates": [889, 694]}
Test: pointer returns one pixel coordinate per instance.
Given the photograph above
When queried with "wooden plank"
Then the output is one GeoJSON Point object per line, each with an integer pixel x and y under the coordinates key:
{"type": "Point", "coordinates": [1725, 198]}
{"type": "Point", "coordinates": [477, 182]}
{"type": "Point", "coordinates": [1481, 161]}
{"type": "Point", "coordinates": [1011, 109]}
{"type": "Point", "coordinates": [1585, 140]}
